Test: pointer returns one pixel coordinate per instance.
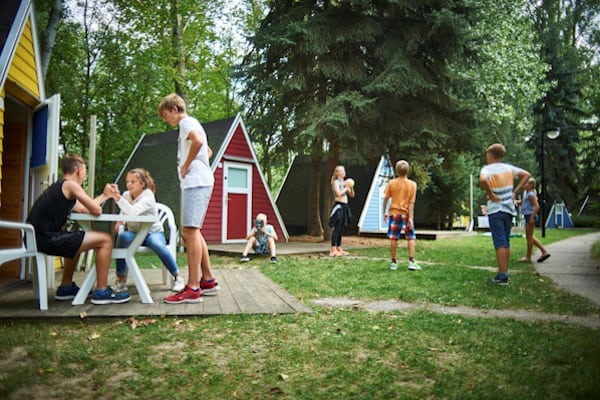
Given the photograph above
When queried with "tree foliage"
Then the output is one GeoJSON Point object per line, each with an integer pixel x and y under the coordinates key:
{"type": "Point", "coordinates": [116, 59]}
{"type": "Point", "coordinates": [363, 78]}
{"type": "Point", "coordinates": [434, 82]}
{"type": "Point", "coordinates": [564, 29]}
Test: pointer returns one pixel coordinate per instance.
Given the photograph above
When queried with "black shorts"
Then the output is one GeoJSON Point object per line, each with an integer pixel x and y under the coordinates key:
{"type": "Point", "coordinates": [61, 244]}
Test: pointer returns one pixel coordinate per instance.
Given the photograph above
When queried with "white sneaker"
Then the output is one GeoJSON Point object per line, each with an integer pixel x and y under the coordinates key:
{"type": "Point", "coordinates": [178, 284]}
{"type": "Point", "coordinates": [412, 266]}
{"type": "Point", "coordinates": [393, 266]}
{"type": "Point", "coordinates": [120, 286]}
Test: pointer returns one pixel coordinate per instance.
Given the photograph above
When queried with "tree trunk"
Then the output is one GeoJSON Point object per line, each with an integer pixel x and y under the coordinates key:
{"type": "Point", "coordinates": [50, 36]}
{"type": "Point", "coordinates": [178, 51]}
{"type": "Point", "coordinates": [315, 227]}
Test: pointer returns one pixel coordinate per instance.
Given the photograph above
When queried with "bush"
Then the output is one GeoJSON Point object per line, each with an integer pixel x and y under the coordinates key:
{"type": "Point", "coordinates": [586, 221]}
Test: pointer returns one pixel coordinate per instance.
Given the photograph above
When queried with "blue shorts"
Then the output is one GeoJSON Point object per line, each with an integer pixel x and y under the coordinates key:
{"type": "Point", "coordinates": [195, 205]}
{"type": "Point", "coordinates": [261, 248]}
{"type": "Point", "coordinates": [500, 226]}
{"type": "Point", "coordinates": [528, 216]}
{"type": "Point", "coordinates": [397, 226]}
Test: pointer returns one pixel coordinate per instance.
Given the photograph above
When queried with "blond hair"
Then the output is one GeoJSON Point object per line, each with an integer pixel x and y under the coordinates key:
{"type": "Point", "coordinates": [335, 170]}
{"type": "Point", "coordinates": [145, 177]}
{"type": "Point", "coordinates": [262, 217]}
{"type": "Point", "coordinates": [170, 101]}
{"type": "Point", "coordinates": [402, 167]}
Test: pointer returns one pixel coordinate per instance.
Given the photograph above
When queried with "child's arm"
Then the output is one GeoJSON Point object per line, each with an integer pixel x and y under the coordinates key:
{"type": "Point", "coordinates": [270, 231]}
{"type": "Point", "coordinates": [485, 185]}
{"type": "Point", "coordinates": [523, 178]}
{"type": "Point", "coordinates": [350, 190]}
{"type": "Point", "coordinates": [536, 207]}
{"type": "Point", "coordinates": [411, 215]}
{"type": "Point", "coordinates": [84, 203]}
{"type": "Point", "coordinates": [195, 145]}
{"type": "Point", "coordinates": [339, 192]}
{"type": "Point", "coordinates": [385, 214]}
{"type": "Point", "coordinates": [145, 205]}
{"type": "Point", "coordinates": [251, 233]}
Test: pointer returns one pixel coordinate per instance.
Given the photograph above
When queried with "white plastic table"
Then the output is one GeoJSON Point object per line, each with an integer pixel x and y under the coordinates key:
{"type": "Point", "coordinates": [146, 221]}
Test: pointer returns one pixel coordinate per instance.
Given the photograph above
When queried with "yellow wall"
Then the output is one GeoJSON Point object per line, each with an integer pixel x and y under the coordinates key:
{"type": "Point", "coordinates": [22, 81]}
{"type": "Point", "coordinates": [23, 72]}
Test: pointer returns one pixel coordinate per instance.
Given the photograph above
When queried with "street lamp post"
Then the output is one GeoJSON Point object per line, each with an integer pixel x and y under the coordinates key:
{"type": "Point", "coordinates": [552, 134]}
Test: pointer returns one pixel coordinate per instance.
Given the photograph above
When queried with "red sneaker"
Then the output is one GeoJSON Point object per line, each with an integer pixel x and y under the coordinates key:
{"type": "Point", "coordinates": [209, 288]}
{"type": "Point", "coordinates": [187, 295]}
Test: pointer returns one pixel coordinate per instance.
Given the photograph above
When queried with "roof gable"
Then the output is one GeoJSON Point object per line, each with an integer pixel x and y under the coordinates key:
{"type": "Point", "coordinates": [216, 133]}
{"type": "Point", "coordinates": [19, 54]}
{"type": "Point", "coordinates": [7, 21]}
{"type": "Point", "coordinates": [293, 197]}
{"type": "Point", "coordinates": [228, 140]}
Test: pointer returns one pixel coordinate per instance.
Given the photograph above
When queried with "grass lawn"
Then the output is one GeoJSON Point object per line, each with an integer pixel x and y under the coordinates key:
{"type": "Point", "coordinates": [333, 353]}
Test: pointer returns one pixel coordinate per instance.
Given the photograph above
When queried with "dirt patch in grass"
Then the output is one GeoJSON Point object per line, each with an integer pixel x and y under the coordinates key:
{"type": "Point", "coordinates": [397, 305]}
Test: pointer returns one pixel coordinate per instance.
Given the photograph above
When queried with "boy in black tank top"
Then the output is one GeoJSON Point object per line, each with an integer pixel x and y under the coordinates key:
{"type": "Point", "coordinates": [49, 215]}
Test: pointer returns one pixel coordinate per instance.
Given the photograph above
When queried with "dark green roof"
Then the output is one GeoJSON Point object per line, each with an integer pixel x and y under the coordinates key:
{"type": "Point", "coordinates": [292, 200]}
{"type": "Point", "coordinates": [157, 153]}
{"type": "Point", "coordinates": [12, 16]}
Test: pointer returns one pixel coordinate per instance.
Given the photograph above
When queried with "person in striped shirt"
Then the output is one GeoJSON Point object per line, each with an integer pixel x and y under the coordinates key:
{"type": "Point", "coordinates": [497, 179]}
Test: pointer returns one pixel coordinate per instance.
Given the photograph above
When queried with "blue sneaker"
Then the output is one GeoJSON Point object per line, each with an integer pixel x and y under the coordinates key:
{"type": "Point", "coordinates": [498, 281]}
{"type": "Point", "coordinates": [66, 292]}
{"type": "Point", "coordinates": [109, 296]}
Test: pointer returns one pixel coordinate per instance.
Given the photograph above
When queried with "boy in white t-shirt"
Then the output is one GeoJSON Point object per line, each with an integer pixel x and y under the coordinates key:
{"type": "Point", "coordinates": [197, 180]}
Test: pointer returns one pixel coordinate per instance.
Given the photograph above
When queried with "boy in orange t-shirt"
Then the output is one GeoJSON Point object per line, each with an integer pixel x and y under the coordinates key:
{"type": "Point", "coordinates": [403, 193]}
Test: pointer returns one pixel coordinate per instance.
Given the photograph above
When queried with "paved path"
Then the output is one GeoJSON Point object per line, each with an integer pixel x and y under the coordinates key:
{"type": "Point", "coordinates": [572, 267]}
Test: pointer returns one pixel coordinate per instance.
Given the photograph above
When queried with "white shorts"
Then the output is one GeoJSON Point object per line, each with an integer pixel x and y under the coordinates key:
{"type": "Point", "coordinates": [195, 205]}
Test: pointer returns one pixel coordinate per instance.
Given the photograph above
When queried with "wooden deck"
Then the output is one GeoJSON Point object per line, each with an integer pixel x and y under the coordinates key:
{"type": "Point", "coordinates": [245, 291]}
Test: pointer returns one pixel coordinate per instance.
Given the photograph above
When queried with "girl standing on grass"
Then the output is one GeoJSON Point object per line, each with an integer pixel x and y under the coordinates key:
{"type": "Point", "coordinates": [340, 213]}
{"type": "Point", "coordinates": [530, 208]}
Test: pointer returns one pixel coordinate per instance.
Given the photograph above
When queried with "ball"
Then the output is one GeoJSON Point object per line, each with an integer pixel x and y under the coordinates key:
{"type": "Point", "coordinates": [350, 182]}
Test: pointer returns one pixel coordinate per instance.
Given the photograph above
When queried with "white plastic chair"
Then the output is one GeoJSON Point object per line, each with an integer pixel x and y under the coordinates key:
{"type": "Point", "coordinates": [42, 274]}
{"type": "Point", "coordinates": [166, 217]}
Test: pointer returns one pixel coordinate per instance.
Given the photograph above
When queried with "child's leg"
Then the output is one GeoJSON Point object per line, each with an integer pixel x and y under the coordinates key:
{"type": "Point", "coordinates": [529, 235]}
{"type": "Point", "coordinates": [393, 248]}
{"type": "Point", "coordinates": [68, 269]}
{"type": "Point", "coordinates": [123, 241]}
{"type": "Point", "coordinates": [249, 245]}
{"type": "Point", "coordinates": [500, 226]}
{"type": "Point", "coordinates": [157, 242]}
{"type": "Point", "coordinates": [411, 244]}
{"type": "Point", "coordinates": [539, 245]}
{"type": "Point", "coordinates": [272, 247]}
{"type": "Point", "coordinates": [103, 243]}
{"type": "Point", "coordinates": [336, 238]}
{"type": "Point", "coordinates": [393, 234]}
{"type": "Point", "coordinates": [503, 257]}
{"type": "Point", "coordinates": [193, 241]}
{"type": "Point", "coordinates": [411, 239]}
{"type": "Point", "coordinates": [205, 266]}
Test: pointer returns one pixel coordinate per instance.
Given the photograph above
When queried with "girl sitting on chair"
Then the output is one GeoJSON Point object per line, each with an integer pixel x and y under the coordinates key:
{"type": "Point", "coordinates": [139, 200]}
